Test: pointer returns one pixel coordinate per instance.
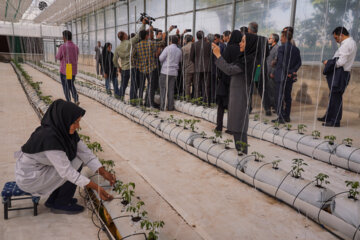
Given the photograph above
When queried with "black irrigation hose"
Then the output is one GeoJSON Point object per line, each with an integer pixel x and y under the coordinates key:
{"type": "Point", "coordinates": [172, 130]}
{"type": "Point", "coordinates": [252, 129]}
{"type": "Point", "coordinates": [176, 138]}
{"type": "Point", "coordinates": [357, 229]}
{"type": "Point", "coordinates": [121, 217]}
{"type": "Point", "coordinates": [350, 157]}
{"type": "Point", "coordinates": [298, 194]}
{"type": "Point", "coordinates": [190, 138]}
{"type": "Point", "coordinates": [134, 235]}
{"type": "Point", "coordinates": [312, 154]}
{"type": "Point", "coordinates": [207, 152]}
{"type": "Point", "coordinates": [297, 143]}
{"type": "Point", "coordinates": [239, 163]}
{"type": "Point", "coordinates": [265, 131]}
{"type": "Point", "coordinates": [197, 149]}
{"type": "Point", "coordinates": [278, 187]}
{"type": "Point", "coordinates": [322, 206]}
{"type": "Point", "coordinates": [162, 132]}
{"type": "Point", "coordinates": [226, 149]}
{"type": "Point", "coordinates": [257, 170]}
{"type": "Point", "coordinates": [283, 143]}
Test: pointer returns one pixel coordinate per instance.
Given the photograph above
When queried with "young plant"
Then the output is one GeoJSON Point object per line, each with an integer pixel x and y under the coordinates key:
{"type": "Point", "coordinates": [242, 147]}
{"type": "Point", "coordinates": [108, 165]}
{"type": "Point", "coordinates": [297, 167]}
{"type": "Point", "coordinates": [256, 117]}
{"type": "Point", "coordinates": [203, 134]}
{"type": "Point", "coordinates": [266, 121]}
{"type": "Point", "coordinates": [171, 119]}
{"type": "Point", "coordinates": [301, 128]}
{"type": "Point", "coordinates": [316, 134]}
{"type": "Point", "coordinates": [258, 156]}
{"type": "Point", "coordinates": [192, 124]}
{"type": "Point", "coordinates": [353, 191]}
{"type": "Point", "coordinates": [153, 228]}
{"type": "Point", "coordinates": [127, 193]}
{"type": "Point", "coordinates": [95, 147]}
{"type": "Point", "coordinates": [156, 113]}
{"type": "Point", "coordinates": [213, 105]}
{"type": "Point", "coordinates": [186, 123]}
{"type": "Point", "coordinates": [331, 139]}
{"type": "Point", "coordinates": [118, 186]}
{"type": "Point", "coordinates": [217, 137]}
{"type": "Point", "coordinates": [276, 125]}
{"type": "Point", "coordinates": [288, 126]}
{"type": "Point", "coordinates": [227, 143]}
{"type": "Point", "coordinates": [275, 164]}
{"type": "Point", "coordinates": [179, 122]}
{"type": "Point", "coordinates": [137, 211]}
{"type": "Point", "coordinates": [348, 142]}
{"type": "Point", "coordinates": [320, 179]}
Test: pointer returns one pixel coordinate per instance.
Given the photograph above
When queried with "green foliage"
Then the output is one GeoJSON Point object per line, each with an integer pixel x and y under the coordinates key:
{"type": "Point", "coordinates": [196, 101]}
{"type": "Point", "coordinates": [156, 113]}
{"type": "Point", "coordinates": [258, 156]}
{"type": "Point", "coordinates": [297, 167]}
{"type": "Point", "coordinates": [152, 227]}
{"type": "Point", "coordinates": [127, 191]}
{"type": "Point", "coordinates": [242, 147]}
{"type": "Point", "coordinates": [203, 134]}
{"type": "Point", "coordinates": [186, 123]}
{"type": "Point", "coordinates": [137, 209]}
{"type": "Point", "coordinates": [227, 143]}
{"type": "Point", "coordinates": [276, 125]}
{"type": "Point", "coordinates": [353, 191]}
{"type": "Point", "coordinates": [171, 119]}
{"type": "Point", "coordinates": [217, 137]}
{"type": "Point", "coordinates": [266, 121]}
{"type": "Point", "coordinates": [256, 117]}
{"type": "Point", "coordinates": [320, 179]}
{"type": "Point", "coordinates": [179, 122]}
{"type": "Point", "coordinates": [192, 124]}
{"type": "Point", "coordinates": [331, 139]}
{"type": "Point", "coordinates": [301, 128]}
{"type": "Point", "coordinates": [348, 142]}
{"type": "Point", "coordinates": [213, 105]}
{"type": "Point", "coordinates": [108, 165]}
{"type": "Point", "coordinates": [95, 147]}
{"type": "Point", "coordinates": [316, 134]}
{"type": "Point", "coordinates": [275, 164]}
{"type": "Point", "coordinates": [288, 126]}
{"type": "Point", "coordinates": [136, 101]}
{"type": "Point", "coordinates": [118, 186]}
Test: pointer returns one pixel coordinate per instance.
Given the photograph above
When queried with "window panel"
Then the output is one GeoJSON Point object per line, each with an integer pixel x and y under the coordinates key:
{"type": "Point", "coordinates": [271, 15]}
{"type": "Point", "coordinates": [175, 6]}
{"type": "Point", "coordinates": [92, 42]}
{"type": "Point", "coordinates": [158, 23]}
{"type": "Point", "coordinates": [100, 36]}
{"type": "Point", "coordinates": [78, 25]}
{"type": "Point", "coordinates": [100, 19]}
{"type": "Point", "coordinates": [110, 17]}
{"type": "Point", "coordinates": [215, 20]}
{"type": "Point", "coordinates": [110, 36]}
{"type": "Point", "coordinates": [182, 21]}
{"type": "Point", "coordinates": [92, 22]}
{"type": "Point", "coordinates": [73, 28]}
{"type": "Point", "coordinates": [311, 38]}
{"type": "Point", "coordinates": [137, 5]}
{"type": "Point", "coordinates": [210, 3]}
{"type": "Point", "coordinates": [84, 23]}
{"type": "Point", "coordinates": [155, 8]}
{"type": "Point", "coordinates": [121, 14]}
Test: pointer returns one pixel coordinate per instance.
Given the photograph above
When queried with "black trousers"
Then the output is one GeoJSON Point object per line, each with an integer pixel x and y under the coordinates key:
{"type": "Point", "coordinates": [63, 194]}
{"type": "Point", "coordinates": [222, 105]}
{"type": "Point", "coordinates": [152, 86]}
{"type": "Point", "coordinates": [284, 99]}
{"type": "Point", "coordinates": [334, 110]}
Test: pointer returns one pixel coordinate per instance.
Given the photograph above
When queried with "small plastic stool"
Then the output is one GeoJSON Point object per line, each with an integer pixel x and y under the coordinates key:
{"type": "Point", "coordinates": [11, 190]}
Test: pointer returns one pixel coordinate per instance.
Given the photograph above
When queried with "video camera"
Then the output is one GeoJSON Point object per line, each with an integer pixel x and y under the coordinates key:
{"type": "Point", "coordinates": [149, 20]}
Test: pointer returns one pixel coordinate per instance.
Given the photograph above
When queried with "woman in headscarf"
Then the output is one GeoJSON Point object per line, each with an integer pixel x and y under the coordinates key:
{"type": "Point", "coordinates": [230, 54]}
{"type": "Point", "coordinates": [110, 71]}
{"type": "Point", "coordinates": [241, 72]}
{"type": "Point", "coordinates": [50, 162]}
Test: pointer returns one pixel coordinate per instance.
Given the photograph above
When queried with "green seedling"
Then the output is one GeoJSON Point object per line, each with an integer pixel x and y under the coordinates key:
{"type": "Point", "coordinates": [213, 105]}
{"type": "Point", "coordinates": [256, 117]}
{"type": "Point", "coordinates": [127, 193]}
{"type": "Point", "coordinates": [301, 128]}
{"type": "Point", "coordinates": [108, 165]}
{"type": "Point", "coordinates": [297, 167]}
{"type": "Point", "coordinates": [153, 228]}
{"type": "Point", "coordinates": [186, 123]}
{"type": "Point", "coordinates": [276, 125]}
{"type": "Point", "coordinates": [192, 124]}
{"type": "Point", "coordinates": [203, 134]}
{"type": "Point", "coordinates": [227, 143]}
{"type": "Point", "coordinates": [288, 126]}
{"type": "Point", "coordinates": [156, 113]}
{"type": "Point", "coordinates": [348, 142]}
{"type": "Point", "coordinates": [95, 147]}
{"type": "Point", "coordinates": [331, 139]}
{"type": "Point", "coordinates": [258, 156]}
{"type": "Point", "coordinates": [242, 147]}
{"type": "Point", "coordinates": [179, 122]}
{"type": "Point", "coordinates": [320, 179]}
{"type": "Point", "coordinates": [171, 119]}
{"type": "Point", "coordinates": [353, 191]}
{"type": "Point", "coordinates": [266, 121]}
{"type": "Point", "coordinates": [137, 211]}
{"type": "Point", "coordinates": [316, 134]}
{"type": "Point", "coordinates": [217, 137]}
{"type": "Point", "coordinates": [275, 164]}
{"type": "Point", "coordinates": [118, 186]}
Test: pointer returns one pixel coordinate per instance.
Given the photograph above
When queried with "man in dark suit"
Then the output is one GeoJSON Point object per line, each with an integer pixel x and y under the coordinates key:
{"type": "Point", "coordinates": [288, 63]}
{"type": "Point", "coordinates": [200, 54]}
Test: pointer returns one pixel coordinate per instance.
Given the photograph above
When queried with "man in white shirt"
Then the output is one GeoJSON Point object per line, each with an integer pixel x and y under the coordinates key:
{"type": "Point", "coordinates": [338, 75]}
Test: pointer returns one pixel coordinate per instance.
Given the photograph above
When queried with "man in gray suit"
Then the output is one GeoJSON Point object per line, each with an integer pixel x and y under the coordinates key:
{"type": "Point", "coordinates": [98, 58]}
{"type": "Point", "coordinates": [271, 65]}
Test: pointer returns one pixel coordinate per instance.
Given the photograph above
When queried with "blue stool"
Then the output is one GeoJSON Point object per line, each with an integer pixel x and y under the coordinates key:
{"type": "Point", "coordinates": [12, 190]}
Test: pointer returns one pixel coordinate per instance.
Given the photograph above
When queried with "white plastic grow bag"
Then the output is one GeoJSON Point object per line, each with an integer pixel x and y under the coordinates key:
{"type": "Point", "coordinates": [347, 209]}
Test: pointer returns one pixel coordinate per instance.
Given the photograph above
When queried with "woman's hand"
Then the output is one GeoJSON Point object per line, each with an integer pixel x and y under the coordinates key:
{"type": "Point", "coordinates": [216, 50]}
{"type": "Point", "coordinates": [104, 195]}
{"type": "Point", "coordinates": [105, 75]}
{"type": "Point", "coordinates": [108, 176]}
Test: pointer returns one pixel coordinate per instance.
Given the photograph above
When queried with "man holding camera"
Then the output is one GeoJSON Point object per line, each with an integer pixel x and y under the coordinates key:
{"type": "Point", "coordinates": [123, 51]}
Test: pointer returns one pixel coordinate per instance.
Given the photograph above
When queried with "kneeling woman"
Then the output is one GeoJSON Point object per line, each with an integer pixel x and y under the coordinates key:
{"type": "Point", "coordinates": [241, 72]}
{"type": "Point", "coordinates": [51, 160]}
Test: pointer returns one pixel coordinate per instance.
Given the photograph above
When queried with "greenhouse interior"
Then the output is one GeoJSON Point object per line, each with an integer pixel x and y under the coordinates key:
{"type": "Point", "coordinates": [180, 119]}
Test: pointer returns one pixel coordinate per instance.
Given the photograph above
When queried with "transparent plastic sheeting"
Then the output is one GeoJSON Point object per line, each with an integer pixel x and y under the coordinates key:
{"type": "Point", "coordinates": [298, 193]}
{"type": "Point", "coordinates": [338, 154]}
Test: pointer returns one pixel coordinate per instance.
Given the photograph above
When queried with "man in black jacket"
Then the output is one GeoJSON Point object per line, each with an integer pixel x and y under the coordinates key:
{"type": "Point", "coordinates": [200, 54]}
{"type": "Point", "coordinates": [288, 63]}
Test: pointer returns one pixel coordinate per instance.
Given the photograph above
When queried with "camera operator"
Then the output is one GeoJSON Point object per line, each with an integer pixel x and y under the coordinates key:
{"type": "Point", "coordinates": [123, 51]}
{"type": "Point", "coordinates": [145, 58]}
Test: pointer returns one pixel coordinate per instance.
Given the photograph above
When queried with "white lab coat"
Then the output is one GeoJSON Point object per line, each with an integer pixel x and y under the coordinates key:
{"type": "Point", "coordinates": [42, 173]}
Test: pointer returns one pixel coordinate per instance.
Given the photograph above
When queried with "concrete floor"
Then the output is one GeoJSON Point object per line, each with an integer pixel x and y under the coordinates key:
{"type": "Point", "coordinates": [216, 205]}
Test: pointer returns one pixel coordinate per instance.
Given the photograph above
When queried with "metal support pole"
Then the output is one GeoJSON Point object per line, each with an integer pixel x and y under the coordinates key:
{"type": "Point", "coordinates": [76, 30]}
{"type": "Point", "coordinates": [116, 28]}
{"type": "Point", "coordinates": [166, 14]}
{"type": "Point", "coordinates": [88, 32]}
{"type": "Point", "coordinates": [293, 13]}
{"type": "Point", "coordinates": [128, 17]}
{"type": "Point", "coordinates": [104, 25]}
{"type": "Point", "coordinates": [194, 17]}
{"type": "Point", "coordinates": [96, 27]}
{"type": "Point", "coordinates": [233, 15]}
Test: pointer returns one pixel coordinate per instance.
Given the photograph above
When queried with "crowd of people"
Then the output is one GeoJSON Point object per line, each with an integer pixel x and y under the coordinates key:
{"type": "Point", "coordinates": [223, 69]}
